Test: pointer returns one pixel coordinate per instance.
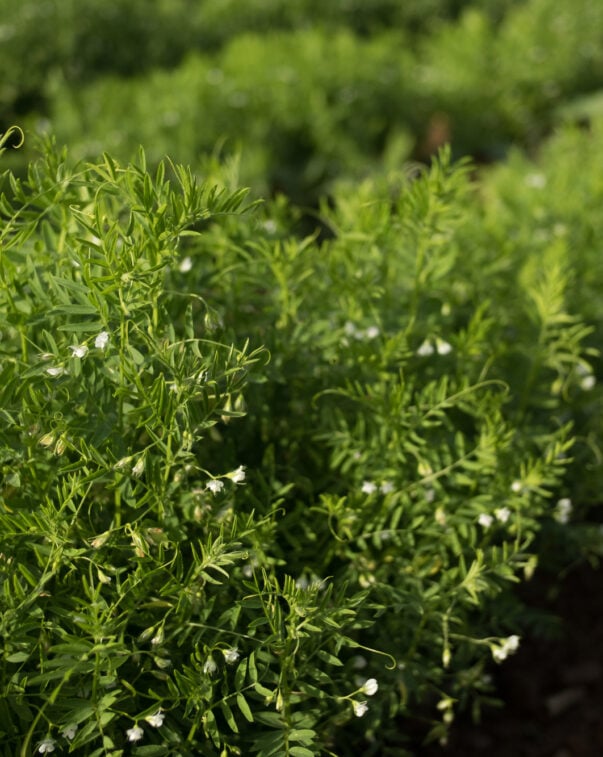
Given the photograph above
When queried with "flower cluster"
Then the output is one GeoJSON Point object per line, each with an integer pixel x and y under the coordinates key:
{"type": "Point", "coordinates": [507, 647]}
{"type": "Point", "coordinates": [78, 352]}
{"type": "Point", "coordinates": [428, 348]}
{"type": "Point", "coordinates": [370, 487]}
{"type": "Point", "coordinates": [502, 515]}
{"type": "Point", "coordinates": [369, 688]}
{"type": "Point", "coordinates": [351, 330]}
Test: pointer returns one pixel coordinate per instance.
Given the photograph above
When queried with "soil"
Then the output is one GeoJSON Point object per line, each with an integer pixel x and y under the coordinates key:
{"type": "Point", "coordinates": [552, 689]}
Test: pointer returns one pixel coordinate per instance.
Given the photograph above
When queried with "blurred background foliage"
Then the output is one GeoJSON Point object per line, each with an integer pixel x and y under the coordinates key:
{"type": "Point", "coordinates": [305, 91]}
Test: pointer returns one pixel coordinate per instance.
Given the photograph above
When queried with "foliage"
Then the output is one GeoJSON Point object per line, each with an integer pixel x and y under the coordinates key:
{"type": "Point", "coordinates": [307, 91]}
{"type": "Point", "coordinates": [265, 493]}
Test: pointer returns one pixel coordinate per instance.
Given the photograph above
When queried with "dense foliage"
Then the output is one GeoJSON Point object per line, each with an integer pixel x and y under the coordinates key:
{"type": "Point", "coordinates": [270, 473]}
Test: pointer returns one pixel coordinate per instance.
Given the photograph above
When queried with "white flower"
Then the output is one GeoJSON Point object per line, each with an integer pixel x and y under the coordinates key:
{"type": "Point", "coordinates": [360, 708]}
{"type": "Point", "coordinates": [231, 655]}
{"type": "Point", "coordinates": [372, 332]}
{"type": "Point", "coordinates": [69, 731]}
{"type": "Point", "coordinates": [509, 645]}
{"type": "Point", "coordinates": [516, 487]}
{"type": "Point", "coordinates": [55, 371]}
{"type": "Point", "coordinates": [209, 666]}
{"type": "Point", "coordinates": [102, 340]}
{"type": "Point", "coordinates": [386, 487]}
{"type": "Point", "coordinates": [158, 638]}
{"type": "Point", "coordinates": [502, 514]}
{"type": "Point", "coordinates": [350, 329]}
{"type": "Point", "coordinates": [78, 350]}
{"type": "Point", "coordinates": [215, 485]}
{"type": "Point", "coordinates": [135, 733]}
{"type": "Point", "coordinates": [368, 487]}
{"type": "Point", "coordinates": [238, 476]}
{"type": "Point", "coordinates": [535, 180]}
{"type": "Point", "coordinates": [248, 572]}
{"type": "Point", "coordinates": [370, 687]}
{"type": "Point", "coordinates": [588, 382]}
{"type": "Point", "coordinates": [138, 469]}
{"type": "Point", "coordinates": [563, 510]}
{"type": "Point", "coordinates": [46, 746]}
{"type": "Point", "coordinates": [156, 720]}
{"type": "Point", "coordinates": [485, 520]}
{"type": "Point", "coordinates": [426, 349]}
{"type": "Point", "coordinates": [442, 347]}
{"type": "Point", "coordinates": [185, 265]}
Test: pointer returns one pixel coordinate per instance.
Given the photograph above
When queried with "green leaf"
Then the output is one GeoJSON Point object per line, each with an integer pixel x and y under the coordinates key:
{"type": "Point", "coordinates": [229, 717]}
{"type": "Point", "coordinates": [151, 750]}
{"type": "Point", "coordinates": [18, 657]}
{"type": "Point", "coordinates": [244, 707]}
{"type": "Point", "coordinates": [301, 751]}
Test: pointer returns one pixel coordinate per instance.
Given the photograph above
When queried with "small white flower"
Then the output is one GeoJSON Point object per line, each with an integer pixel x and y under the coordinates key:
{"type": "Point", "coordinates": [248, 571]}
{"type": "Point", "coordinates": [350, 329]}
{"type": "Point", "coordinates": [588, 382]}
{"type": "Point", "coordinates": [516, 487]}
{"type": "Point", "coordinates": [563, 510]}
{"type": "Point", "coordinates": [386, 487]}
{"type": "Point", "coordinates": [502, 514]}
{"type": "Point", "coordinates": [135, 733]}
{"type": "Point", "coordinates": [535, 180]}
{"type": "Point", "coordinates": [442, 347]}
{"type": "Point", "coordinates": [370, 687]}
{"type": "Point", "coordinates": [485, 520]}
{"type": "Point", "coordinates": [231, 655]}
{"type": "Point", "coordinates": [509, 645]}
{"type": "Point", "coordinates": [238, 476]}
{"type": "Point", "coordinates": [426, 349]}
{"type": "Point", "coordinates": [55, 371]}
{"type": "Point", "coordinates": [302, 582]}
{"type": "Point", "coordinates": [46, 746]}
{"type": "Point", "coordinates": [138, 469]}
{"type": "Point", "coordinates": [158, 638]}
{"type": "Point", "coordinates": [102, 340]}
{"type": "Point", "coordinates": [209, 666]}
{"type": "Point", "coordinates": [185, 265]}
{"type": "Point", "coordinates": [78, 350]}
{"type": "Point", "coordinates": [360, 708]}
{"type": "Point", "coordinates": [156, 720]}
{"type": "Point", "coordinates": [372, 332]}
{"type": "Point", "coordinates": [215, 485]}
{"type": "Point", "coordinates": [368, 487]}
{"type": "Point", "coordinates": [69, 731]}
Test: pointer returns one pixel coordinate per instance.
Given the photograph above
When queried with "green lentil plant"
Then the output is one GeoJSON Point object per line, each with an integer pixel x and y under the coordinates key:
{"type": "Point", "coordinates": [263, 493]}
